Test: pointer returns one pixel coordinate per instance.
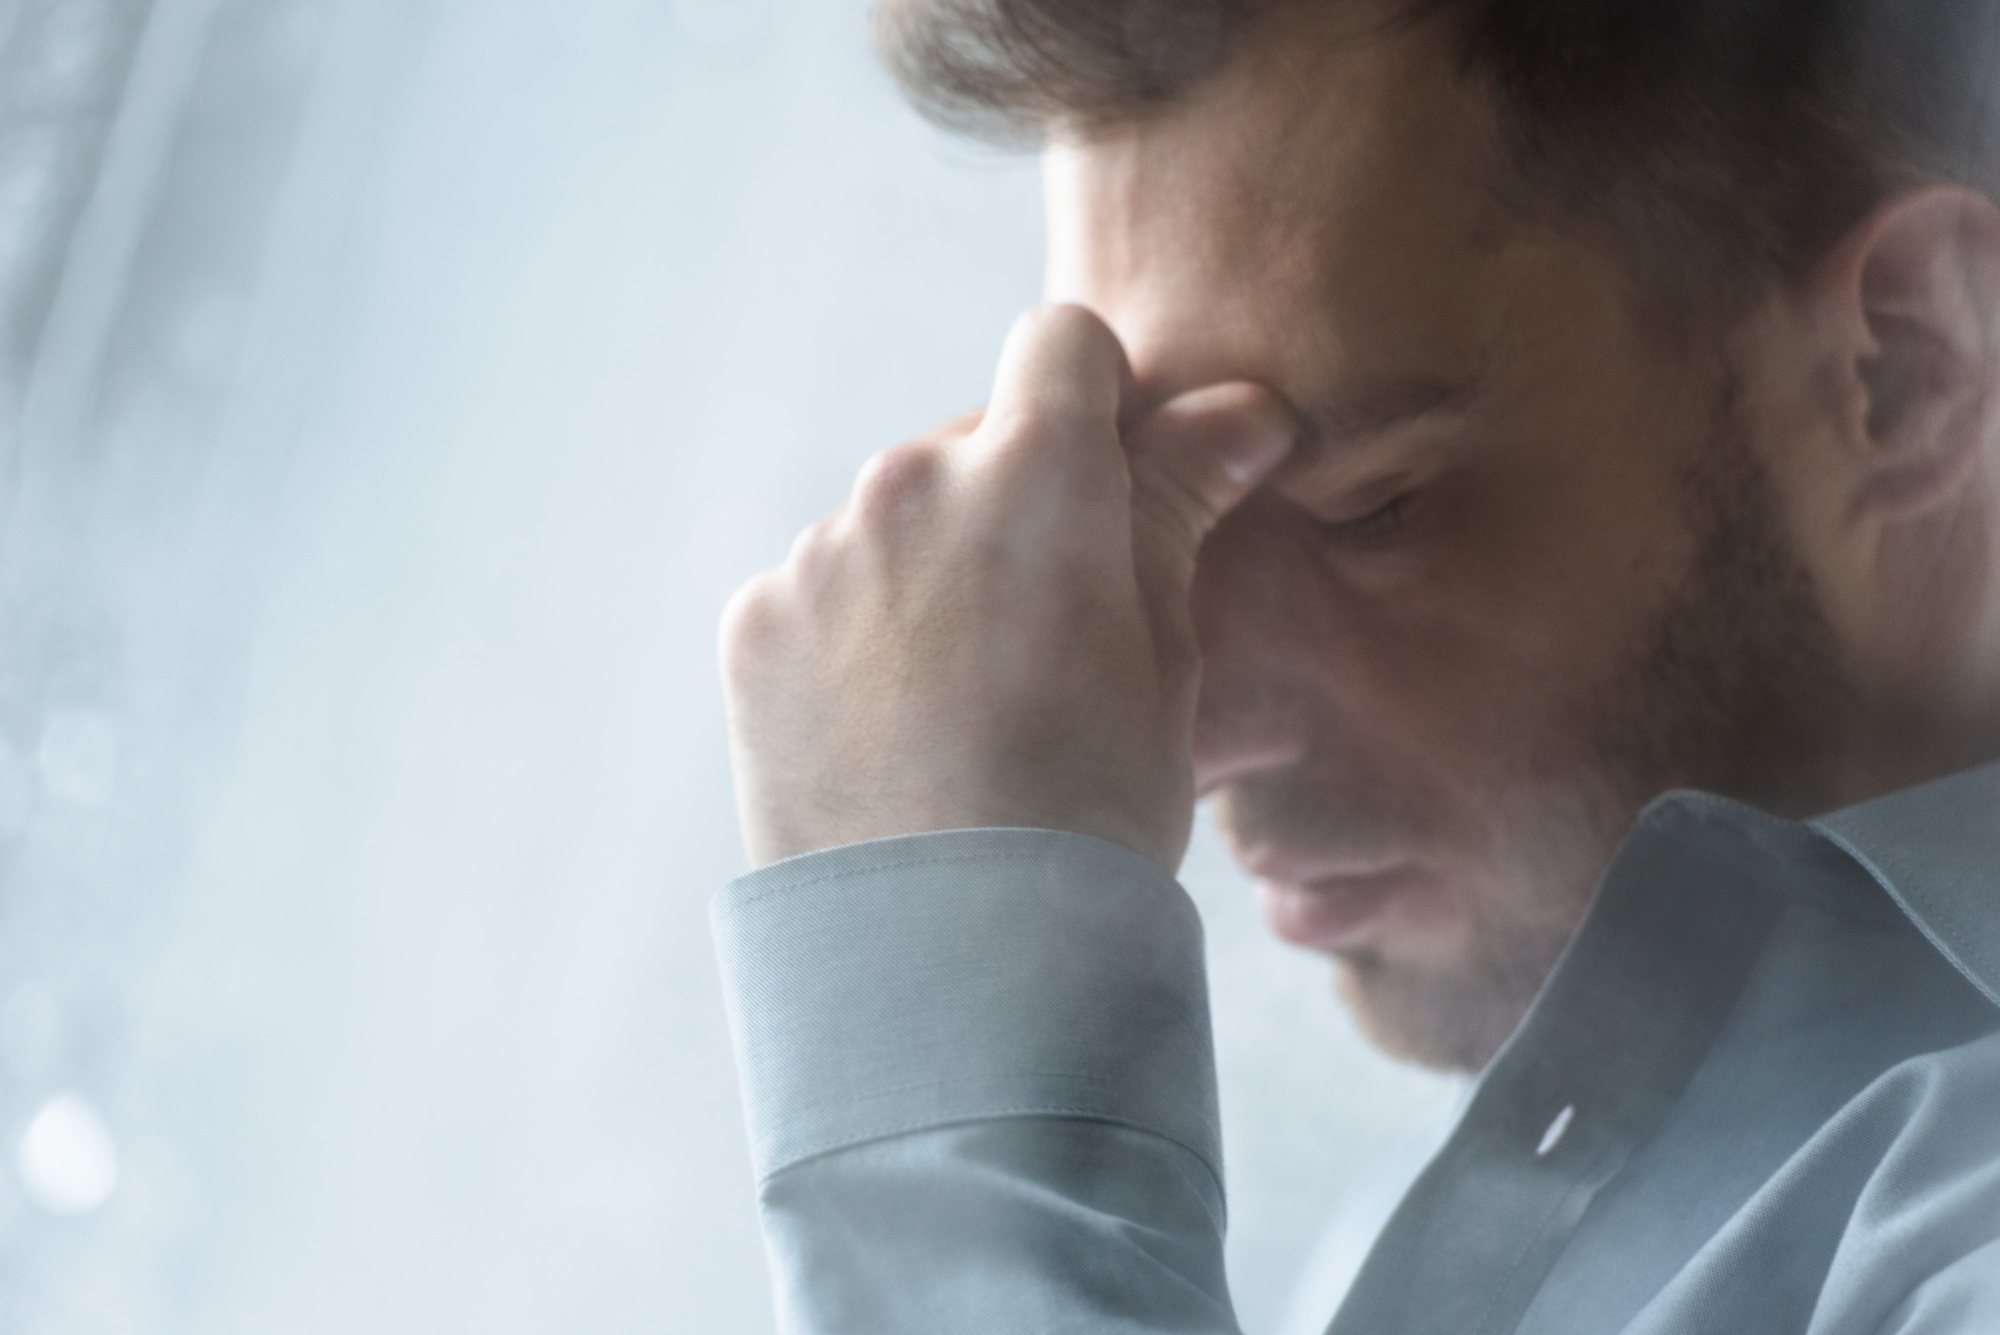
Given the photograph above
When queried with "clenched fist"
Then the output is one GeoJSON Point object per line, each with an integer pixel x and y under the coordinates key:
{"type": "Point", "coordinates": [994, 630]}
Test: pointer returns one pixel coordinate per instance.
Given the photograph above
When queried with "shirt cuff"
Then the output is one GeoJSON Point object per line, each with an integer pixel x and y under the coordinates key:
{"type": "Point", "coordinates": [886, 987]}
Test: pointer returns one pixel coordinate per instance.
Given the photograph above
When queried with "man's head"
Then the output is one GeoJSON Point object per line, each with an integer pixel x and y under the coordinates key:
{"type": "Point", "coordinates": [1644, 358]}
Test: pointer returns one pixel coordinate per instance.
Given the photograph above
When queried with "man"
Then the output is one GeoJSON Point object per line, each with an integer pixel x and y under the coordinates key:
{"type": "Point", "coordinates": [1455, 426]}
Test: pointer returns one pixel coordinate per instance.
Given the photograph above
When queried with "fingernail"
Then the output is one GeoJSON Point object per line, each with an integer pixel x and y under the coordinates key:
{"type": "Point", "coordinates": [1257, 450]}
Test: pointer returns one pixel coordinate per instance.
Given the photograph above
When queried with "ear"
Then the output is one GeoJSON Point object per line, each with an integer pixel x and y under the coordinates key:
{"type": "Point", "coordinates": [1916, 287]}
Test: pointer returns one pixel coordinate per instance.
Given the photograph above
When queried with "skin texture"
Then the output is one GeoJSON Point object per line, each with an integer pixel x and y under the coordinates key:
{"type": "Point", "coordinates": [1387, 515]}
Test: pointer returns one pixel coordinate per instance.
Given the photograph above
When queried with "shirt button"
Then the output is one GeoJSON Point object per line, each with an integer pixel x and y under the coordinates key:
{"type": "Point", "coordinates": [1557, 1130]}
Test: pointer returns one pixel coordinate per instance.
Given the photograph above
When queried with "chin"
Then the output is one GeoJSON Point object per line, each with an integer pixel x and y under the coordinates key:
{"type": "Point", "coordinates": [1427, 1019]}
{"type": "Point", "coordinates": [1445, 990]}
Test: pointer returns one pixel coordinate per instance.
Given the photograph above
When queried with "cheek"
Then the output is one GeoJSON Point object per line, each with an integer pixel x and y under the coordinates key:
{"type": "Point", "coordinates": [1522, 594]}
{"type": "Point", "coordinates": [1511, 594]}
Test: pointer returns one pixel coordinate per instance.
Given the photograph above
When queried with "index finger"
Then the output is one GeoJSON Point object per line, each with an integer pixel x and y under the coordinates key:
{"type": "Point", "coordinates": [1062, 379]}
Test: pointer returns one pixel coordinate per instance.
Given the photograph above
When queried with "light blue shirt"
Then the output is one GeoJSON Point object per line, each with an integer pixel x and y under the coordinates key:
{"type": "Point", "coordinates": [1759, 1094]}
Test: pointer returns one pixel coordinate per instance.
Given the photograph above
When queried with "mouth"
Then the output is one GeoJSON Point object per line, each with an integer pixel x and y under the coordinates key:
{"type": "Point", "coordinates": [1332, 913]}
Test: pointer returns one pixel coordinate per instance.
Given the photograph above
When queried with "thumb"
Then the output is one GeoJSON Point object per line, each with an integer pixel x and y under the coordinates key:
{"type": "Point", "coordinates": [1193, 460]}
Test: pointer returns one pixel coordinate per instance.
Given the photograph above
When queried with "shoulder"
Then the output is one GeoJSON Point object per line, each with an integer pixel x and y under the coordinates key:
{"type": "Point", "coordinates": [1921, 1250]}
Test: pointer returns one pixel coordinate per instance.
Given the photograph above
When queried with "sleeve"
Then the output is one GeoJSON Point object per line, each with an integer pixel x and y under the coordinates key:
{"type": "Point", "coordinates": [980, 1088]}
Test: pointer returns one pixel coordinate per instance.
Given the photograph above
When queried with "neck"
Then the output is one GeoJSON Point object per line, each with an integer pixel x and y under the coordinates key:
{"type": "Point", "coordinates": [1929, 676]}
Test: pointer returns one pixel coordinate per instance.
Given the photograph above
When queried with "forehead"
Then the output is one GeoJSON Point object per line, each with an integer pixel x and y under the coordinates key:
{"type": "Point", "coordinates": [1328, 198]}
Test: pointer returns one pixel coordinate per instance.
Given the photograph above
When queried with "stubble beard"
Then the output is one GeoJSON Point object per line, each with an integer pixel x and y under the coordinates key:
{"type": "Point", "coordinates": [1733, 686]}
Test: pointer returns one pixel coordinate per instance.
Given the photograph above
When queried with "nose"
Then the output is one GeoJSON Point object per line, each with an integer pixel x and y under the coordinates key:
{"type": "Point", "coordinates": [1252, 715]}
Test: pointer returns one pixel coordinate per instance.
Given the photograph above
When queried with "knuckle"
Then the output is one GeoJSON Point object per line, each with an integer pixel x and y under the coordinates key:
{"type": "Point", "coordinates": [897, 478]}
{"type": "Point", "coordinates": [811, 545]}
{"type": "Point", "coordinates": [751, 622]}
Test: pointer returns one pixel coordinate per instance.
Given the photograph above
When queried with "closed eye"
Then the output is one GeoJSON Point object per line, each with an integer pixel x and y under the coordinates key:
{"type": "Point", "coordinates": [1370, 528]}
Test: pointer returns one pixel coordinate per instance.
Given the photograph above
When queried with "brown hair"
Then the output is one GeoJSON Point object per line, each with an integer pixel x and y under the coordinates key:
{"type": "Point", "coordinates": [1718, 140]}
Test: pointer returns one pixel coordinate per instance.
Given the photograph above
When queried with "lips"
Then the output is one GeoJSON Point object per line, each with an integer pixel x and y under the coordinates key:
{"type": "Point", "coordinates": [1330, 913]}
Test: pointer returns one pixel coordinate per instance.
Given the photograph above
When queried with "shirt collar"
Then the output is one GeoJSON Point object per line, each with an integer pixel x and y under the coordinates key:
{"type": "Point", "coordinates": [1935, 849]}
{"type": "Point", "coordinates": [1632, 1012]}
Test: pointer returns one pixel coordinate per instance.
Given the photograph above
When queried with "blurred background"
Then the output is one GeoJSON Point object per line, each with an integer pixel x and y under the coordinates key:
{"type": "Point", "coordinates": [391, 392]}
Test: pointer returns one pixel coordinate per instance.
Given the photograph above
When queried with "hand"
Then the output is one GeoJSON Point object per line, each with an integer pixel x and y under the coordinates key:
{"type": "Point", "coordinates": [994, 630]}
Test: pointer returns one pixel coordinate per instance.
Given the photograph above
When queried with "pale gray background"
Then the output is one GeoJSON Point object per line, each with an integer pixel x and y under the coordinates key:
{"type": "Point", "coordinates": [392, 391]}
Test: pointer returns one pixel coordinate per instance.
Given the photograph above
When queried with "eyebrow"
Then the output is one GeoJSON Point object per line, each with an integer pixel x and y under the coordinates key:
{"type": "Point", "coordinates": [1355, 414]}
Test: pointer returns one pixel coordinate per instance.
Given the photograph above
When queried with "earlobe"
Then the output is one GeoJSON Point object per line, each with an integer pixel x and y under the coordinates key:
{"type": "Point", "coordinates": [1922, 274]}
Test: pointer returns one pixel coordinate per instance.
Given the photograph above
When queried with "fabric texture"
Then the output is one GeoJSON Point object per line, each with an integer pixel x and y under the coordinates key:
{"type": "Point", "coordinates": [1760, 1091]}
